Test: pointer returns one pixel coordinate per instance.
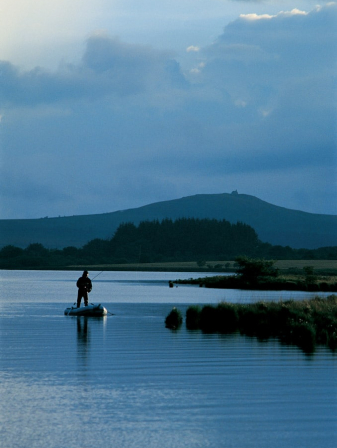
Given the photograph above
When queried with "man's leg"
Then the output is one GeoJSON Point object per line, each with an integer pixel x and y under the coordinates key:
{"type": "Point", "coordinates": [86, 299]}
{"type": "Point", "coordinates": [79, 298]}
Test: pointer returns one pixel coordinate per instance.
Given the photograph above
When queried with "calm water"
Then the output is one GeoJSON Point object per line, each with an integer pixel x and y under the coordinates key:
{"type": "Point", "coordinates": [126, 381]}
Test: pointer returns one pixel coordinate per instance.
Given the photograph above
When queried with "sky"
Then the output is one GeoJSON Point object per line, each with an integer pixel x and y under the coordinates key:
{"type": "Point", "coordinates": [107, 105]}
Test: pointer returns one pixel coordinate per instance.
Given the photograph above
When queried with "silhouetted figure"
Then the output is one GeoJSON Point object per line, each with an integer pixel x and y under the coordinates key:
{"type": "Point", "coordinates": [84, 287]}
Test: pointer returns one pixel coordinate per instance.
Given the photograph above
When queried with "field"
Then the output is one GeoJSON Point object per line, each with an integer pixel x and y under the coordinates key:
{"type": "Point", "coordinates": [318, 265]}
{"type": "Point", "coordinates": [285, 266]}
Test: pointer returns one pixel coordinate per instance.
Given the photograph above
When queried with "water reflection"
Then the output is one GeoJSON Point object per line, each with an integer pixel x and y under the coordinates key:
{"type": "Point", "coordinates": [82, 331]}
{"type": "Point", "coordinates": [129, 380]}
{"type": "Point", "coordinates": [83, 342]}
{"type": "Point", "coordinates": [89, 330]}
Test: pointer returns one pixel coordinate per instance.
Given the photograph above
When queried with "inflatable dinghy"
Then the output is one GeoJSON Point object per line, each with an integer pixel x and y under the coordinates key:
{"type": "Point", "coordinates": [91, 310]}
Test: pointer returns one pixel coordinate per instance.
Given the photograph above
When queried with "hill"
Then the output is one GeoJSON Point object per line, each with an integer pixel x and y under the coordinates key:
{"type": "Point", "coordinates": [273, 224]}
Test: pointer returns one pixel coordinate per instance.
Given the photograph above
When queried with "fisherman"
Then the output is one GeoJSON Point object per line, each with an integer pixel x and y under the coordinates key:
{"type": "Point", "coordinates": [84, 287]}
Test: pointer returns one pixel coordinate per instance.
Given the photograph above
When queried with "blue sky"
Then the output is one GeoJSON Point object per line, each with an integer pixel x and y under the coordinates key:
{"type": "Point", "coordinates": [108, 105]}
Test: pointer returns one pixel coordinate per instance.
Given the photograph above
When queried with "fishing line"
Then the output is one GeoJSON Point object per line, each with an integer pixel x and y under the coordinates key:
{"type": "Point", "coordinates": [111, 314]}
{"type": "Point", "coordinates": [97, 275]}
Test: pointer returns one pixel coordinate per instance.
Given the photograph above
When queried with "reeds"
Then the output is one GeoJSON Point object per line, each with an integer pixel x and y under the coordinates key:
{"type": "Point", "coordinates": [193, 317]}
{"type": "Point", "coordinates": [174, 319]}
{"type": "Point", "coordinates": [302, 323]}
{"type": "Point", "coordinates": [281, 283]}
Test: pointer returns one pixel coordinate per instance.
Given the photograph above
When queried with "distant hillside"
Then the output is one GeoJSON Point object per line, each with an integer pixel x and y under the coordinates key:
{"type": "Point", "coordinates": [273, 224]}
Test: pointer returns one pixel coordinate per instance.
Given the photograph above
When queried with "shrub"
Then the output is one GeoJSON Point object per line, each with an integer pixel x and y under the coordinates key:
{"type": "Point", "coordinates": [250, 269]}
{"type": "Point", "coordinates": [228, 318]}
{"type": "Point", "coordinates": [304, 336]}
{"type": "Point", "coordinates": [310, 276]}
{"type": "Point", "coordinates": [193, 317]}
{"type": "Point", "coordinates": [251, 318]}
{"type": "Point", "coordinates": [208, 319]}
{"type": "Point", "coordinates": [303, 323]}
{"type": "Point", "coordinates": [173, 319]}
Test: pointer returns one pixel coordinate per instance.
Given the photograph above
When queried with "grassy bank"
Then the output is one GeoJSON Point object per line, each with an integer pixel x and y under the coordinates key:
{"type": "Point", "coordinates": [287, 267]}
{"type": "Point", "coordinates": [260, 274]}
{"type": "Point", "coordinates": [301, 323]}
{"type": "Point", "coordinates": [322, 267]}
{"type": "Point", "coordinates": [281, 283]}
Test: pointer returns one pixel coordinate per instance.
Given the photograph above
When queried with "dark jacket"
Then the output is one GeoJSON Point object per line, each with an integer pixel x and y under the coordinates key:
{"type": "Point", "coordinates": [84, 284]}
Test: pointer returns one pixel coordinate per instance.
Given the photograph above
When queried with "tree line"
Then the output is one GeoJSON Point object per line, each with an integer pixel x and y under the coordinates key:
{"type": "Point", "coordinates": [186, 239]}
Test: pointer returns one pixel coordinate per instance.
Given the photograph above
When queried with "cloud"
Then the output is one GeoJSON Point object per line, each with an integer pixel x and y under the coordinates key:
{"type": "Point", "coordinates": [192, 48]}
{"type": "Point", "coordinates": [108, 67]}
{"type": "Point", "coordinates": [131, 67]}
{"type": "Point", "coordinates": [293, 12]}
{"type": "Point", "coordinates": [260, 61]}
{"type": "Point", "coordinates": [127, 124]}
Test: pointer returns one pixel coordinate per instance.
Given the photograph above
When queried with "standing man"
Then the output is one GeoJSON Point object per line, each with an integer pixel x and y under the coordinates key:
{"type": "Point", "coordinates": [84, 287]}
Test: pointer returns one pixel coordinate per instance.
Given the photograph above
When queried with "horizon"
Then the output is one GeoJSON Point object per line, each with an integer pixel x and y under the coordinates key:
{"type": "Point", "coordinates": [168, 200]}
{"type": "Point", "coordinates": [113, 105]}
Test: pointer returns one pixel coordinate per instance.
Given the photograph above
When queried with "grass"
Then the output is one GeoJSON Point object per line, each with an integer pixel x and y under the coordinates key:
{"type": "Point", "coordinates": [318, 265]}
{"type": "Point", "coordinates": [291, 282]}
{"type": "Point", "coordinates": [326, 267]}
{"type": "Point", "coordinates": [174, 319]}
{"type": "Point", "coordinates": [302, 323]}
{"type": "Point", "coordinates": [286, 267]}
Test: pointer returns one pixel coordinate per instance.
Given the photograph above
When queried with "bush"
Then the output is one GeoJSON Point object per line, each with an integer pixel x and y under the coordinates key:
{"type": "Point", "coordinates": [174, 319]}
{"type": "Point", "coordinates": [304, 336]}
{"type": "Point", "coordinates": [303, 323]}
{"type": "Point", "coordinates": [193, 317]}
{"type": "Point", "coordinates": [209, 319]}
{"type": "Point", "coordinates": [250, 269]}
{"type": "Point", "coordinates": [254, 321]}
{"type": "Point", "coordinates": [228, 318]}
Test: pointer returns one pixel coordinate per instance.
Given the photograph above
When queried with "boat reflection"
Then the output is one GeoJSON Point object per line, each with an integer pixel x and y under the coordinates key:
{"type": "Point", "coordinates": [85, 330]}
{"type": "Point", "coordinates": [82, 331]}
{"type": "Point", "coordinates": [83, 342]}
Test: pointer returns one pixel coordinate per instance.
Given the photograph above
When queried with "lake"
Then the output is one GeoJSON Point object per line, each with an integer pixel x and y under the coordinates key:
{"type": "Point", "coordinates": [127, 381]}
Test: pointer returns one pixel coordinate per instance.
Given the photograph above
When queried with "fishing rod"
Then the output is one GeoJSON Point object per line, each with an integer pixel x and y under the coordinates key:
{"type": "Point", "coordinates": [96, 276]}
{"type": "Point", "coordinates": [111, 314]}
{"type": "Point", "coordinates": [95, 307]}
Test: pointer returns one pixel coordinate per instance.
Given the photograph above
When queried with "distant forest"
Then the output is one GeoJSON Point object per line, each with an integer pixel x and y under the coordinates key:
{"type": "Point", "coordinates": [186, 239]}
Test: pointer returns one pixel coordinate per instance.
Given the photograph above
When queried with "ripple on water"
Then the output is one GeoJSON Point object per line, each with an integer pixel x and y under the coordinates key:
{"type": "Point", "coordinates": [127, 381]}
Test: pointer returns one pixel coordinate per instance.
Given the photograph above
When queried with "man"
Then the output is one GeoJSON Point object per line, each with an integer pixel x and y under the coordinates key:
{"type": "Point", "coordinates": [84, 287]}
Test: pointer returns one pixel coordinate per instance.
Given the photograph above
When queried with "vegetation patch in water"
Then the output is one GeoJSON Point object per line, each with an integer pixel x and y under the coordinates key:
{"type": "Point", "coordinates": [258, 274]}
{"type": "Point", "coordinates": [193, 317]}
{"type": "Point", "coordinates": [174, 319]}
{"type": "Point", "coordinates": [302, 323]}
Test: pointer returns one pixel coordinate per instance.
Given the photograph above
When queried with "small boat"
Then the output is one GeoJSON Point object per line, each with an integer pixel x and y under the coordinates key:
{"type": "Point", "coordinates": [91, 310]}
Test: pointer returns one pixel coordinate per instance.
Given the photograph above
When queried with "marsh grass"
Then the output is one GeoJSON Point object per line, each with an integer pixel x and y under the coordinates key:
{"type": "Point", "coordinates": [302, 323]}
{"type": "Point", "coordinates": [282, 283]}
{"type": "Point", "coordinates": [174, 319]}
{"type": "Point", "coordinates": [193, 317]}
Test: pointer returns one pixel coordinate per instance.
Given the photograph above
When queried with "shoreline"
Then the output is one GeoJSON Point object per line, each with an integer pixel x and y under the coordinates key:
{"type": "Point", "coordinates": [305, 324]}
{"type": "Point", "coordinates": [280, 283]}
{"type": "Point", "coordinates": [292, 267]}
